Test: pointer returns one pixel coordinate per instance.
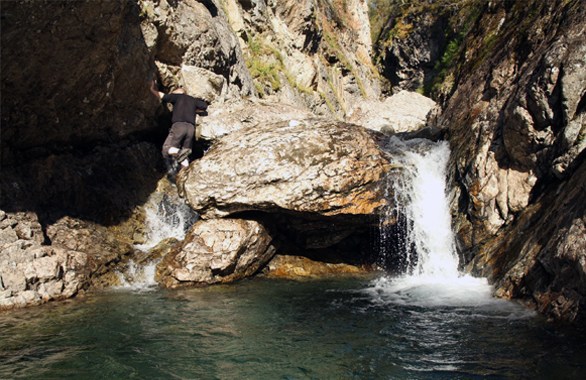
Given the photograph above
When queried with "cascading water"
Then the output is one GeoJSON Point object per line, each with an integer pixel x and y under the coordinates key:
{"type": "Point", "coordinates": [165, 218]}
{"type": "Point", "coordinates": [416, 237]}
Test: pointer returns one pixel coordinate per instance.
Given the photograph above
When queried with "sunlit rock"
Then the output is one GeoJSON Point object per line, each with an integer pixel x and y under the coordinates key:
{"type": "Point", "coordinates": [31, 273]}
{"type": "Point", "coordinates": [232, 116]}
{"type": "Point", "coordinates": [296, 267]}
{"type": "Point", "coordinates": [216, 251]}
{"type": "Point", "coordinates": [317, 167]}
{"type": "Point", "coordinates": [402, 112]}
{"type": "Point", "coordinates": [191, 39]}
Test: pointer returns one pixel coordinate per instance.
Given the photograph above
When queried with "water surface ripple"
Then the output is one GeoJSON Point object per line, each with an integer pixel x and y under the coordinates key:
{"type": "Point", "coordinates": [261, 329]}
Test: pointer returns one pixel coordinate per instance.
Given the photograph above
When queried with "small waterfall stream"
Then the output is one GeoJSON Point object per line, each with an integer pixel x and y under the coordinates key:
{"type": "Point", "coordinates": [165, 218]}
{"type": "Point", "coordinates": [420, 248]}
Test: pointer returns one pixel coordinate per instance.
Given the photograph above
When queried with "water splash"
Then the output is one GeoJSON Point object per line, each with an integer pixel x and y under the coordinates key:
{"type": "Point", "coordinates": [416, 237]}
{"type": "Point", "coordinates": [167, 217]}
{"type": "Point", "coordinates": [138, 277]}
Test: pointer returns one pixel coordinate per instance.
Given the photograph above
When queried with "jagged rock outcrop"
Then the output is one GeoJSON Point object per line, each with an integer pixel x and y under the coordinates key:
{"type": "Point", "coordinates": [217, 251]}
{"type": "Point", "coordinates": [511, 81]}
{"type": "Point", "coordinates": [316, 167]}
{"type": "Point", "coordinates": [410, 45]}
{"type": "Point", "coordinates": [516, 129]}
{"type": "Point", "coordinates": [31, 273]}
{"type": "Point", "coordinates": [75, 105]}
{"type": "Point", "coordinates": [311, 52]}
{"type": "Point", "coordinates": [81, 131]}
{"type": "Point", "coordinates": [194, 47]}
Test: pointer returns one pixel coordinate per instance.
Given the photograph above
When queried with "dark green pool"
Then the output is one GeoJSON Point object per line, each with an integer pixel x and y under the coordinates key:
{"type": "Point", "coordinates": [275, 329]}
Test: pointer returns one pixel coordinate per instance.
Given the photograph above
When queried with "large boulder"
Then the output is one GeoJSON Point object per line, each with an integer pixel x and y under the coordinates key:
{"type": "Point", "coordinates": [402, 112]}
{"type": "Point", "coordinates": [232, 116]}
{"type": "Point", "coordinates": [315, 167]}
{"type": "Point", "coordinates": [217, 251]}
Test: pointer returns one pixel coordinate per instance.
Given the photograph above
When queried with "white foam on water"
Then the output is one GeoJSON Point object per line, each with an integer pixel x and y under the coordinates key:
{"type": "Point", "coordinates": [163, 222]}
{"type": "Point", "coordinates": [432, 278]}
{"type": "Point", "coordinates": [138, 277]}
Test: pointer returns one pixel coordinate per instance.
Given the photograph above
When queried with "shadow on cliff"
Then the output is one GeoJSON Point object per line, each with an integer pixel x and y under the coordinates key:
{"type": "Point", "coordinates": [101, 186]}
{"type": "Point", "coordinates": [80, 136]}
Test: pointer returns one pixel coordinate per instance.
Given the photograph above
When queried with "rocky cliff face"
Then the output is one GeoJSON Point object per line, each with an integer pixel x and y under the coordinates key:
{"type": "Point", "coordinates": [81, 132]}
{"type": "Point", "coordinates": [523, 87]}
{"type": "Point", "coordinates": [513, 88]}
{"type": "Point", "coordinates": [315, 53]}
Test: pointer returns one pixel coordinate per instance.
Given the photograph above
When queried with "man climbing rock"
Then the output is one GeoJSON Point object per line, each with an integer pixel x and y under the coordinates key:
{"type": "Point", "coordinates": [178, 144]}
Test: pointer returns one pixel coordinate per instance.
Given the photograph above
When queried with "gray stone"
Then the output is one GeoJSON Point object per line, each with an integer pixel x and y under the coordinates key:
{"type": "Point", "coordinates": [402, 112]}
{"type": "Point", "coordinates": [217, 251]}
{"type": "Point", "coordinates": [316, 167]}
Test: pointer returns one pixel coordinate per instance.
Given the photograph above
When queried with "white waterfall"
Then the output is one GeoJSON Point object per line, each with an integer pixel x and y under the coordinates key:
{"type": "Point", "coordinates": [416, 232]}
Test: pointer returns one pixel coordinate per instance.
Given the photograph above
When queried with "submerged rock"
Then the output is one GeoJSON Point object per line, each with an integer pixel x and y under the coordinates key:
{"type": "Point", "coordinates": [316, 167]}
{"type": "Point", "coordinates": [296, 267]}
{"type": "Point", "coordinates": [217, 251]}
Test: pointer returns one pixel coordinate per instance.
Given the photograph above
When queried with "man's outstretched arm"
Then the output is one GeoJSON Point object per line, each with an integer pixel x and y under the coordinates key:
{"type": "Point", "coordinates": [155, 91]}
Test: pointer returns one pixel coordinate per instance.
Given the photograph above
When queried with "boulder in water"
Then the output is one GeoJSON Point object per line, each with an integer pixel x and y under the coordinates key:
{"type": "Point", "coordinates": [296, 267]}
{"type": "Point", "coordinates": [217, 251]}
{"type": "Point", "coordinates": [315, 168]}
